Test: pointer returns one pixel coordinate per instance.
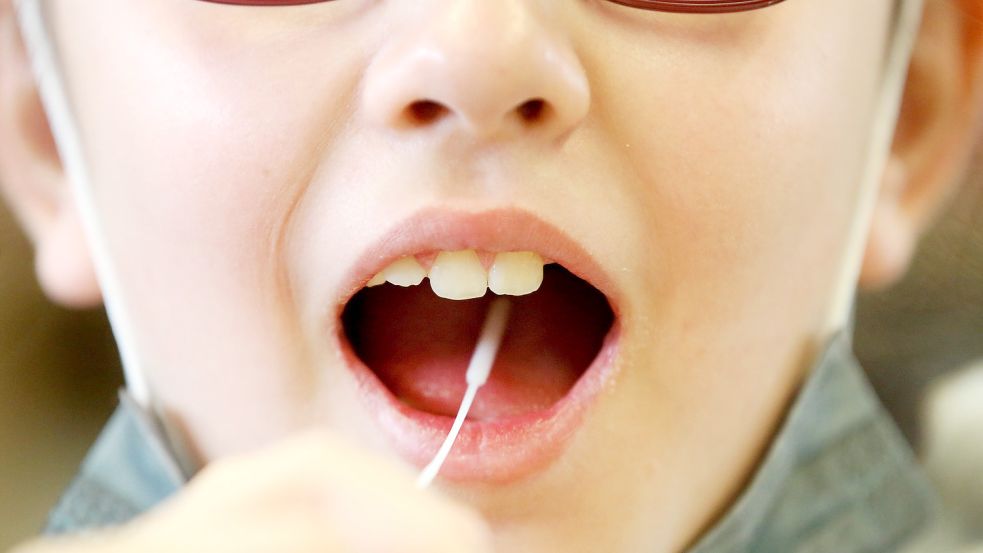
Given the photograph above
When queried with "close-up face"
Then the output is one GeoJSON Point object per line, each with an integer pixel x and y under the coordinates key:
{"type": "Point", "coordinates": [254, 168]}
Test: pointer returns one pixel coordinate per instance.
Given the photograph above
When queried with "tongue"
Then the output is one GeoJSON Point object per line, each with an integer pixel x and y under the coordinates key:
{"type": "Point", "coordinates": [419, 344]}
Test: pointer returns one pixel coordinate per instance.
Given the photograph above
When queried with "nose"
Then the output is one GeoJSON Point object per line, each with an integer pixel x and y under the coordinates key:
{"type": "Point", "coordinates": [489, 69]}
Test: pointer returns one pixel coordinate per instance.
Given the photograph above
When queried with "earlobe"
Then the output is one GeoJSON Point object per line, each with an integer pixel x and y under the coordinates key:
{"type": "Point", "coordinates": [33, 181]}
{"type": "Point", "coordinates": [892, 239]}
{"type": "Point", "coordinates": [64, 265]}
{"type": "Point", "coordinates": [936, 132]}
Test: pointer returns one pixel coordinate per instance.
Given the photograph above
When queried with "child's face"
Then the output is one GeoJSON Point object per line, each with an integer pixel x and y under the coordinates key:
{"type": "Point", "coordinates": [247, 159]}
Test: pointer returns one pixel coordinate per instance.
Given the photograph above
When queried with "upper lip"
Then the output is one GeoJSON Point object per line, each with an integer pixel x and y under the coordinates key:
{"type": "Point", "coordinates": [493, 230]}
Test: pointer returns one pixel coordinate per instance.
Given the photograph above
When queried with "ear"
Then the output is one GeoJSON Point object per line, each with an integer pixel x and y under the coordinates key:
{"type": "Point", "coordinates": [939, 122]}
{"type": "Point", "coordinates": [33, 182]}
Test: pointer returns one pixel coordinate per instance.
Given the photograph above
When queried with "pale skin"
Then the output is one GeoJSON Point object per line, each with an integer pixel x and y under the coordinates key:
{"type": "Point", "coordinates": [732, 144]}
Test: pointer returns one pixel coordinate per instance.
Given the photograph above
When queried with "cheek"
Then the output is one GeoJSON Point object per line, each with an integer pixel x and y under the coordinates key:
{"type": "Point", "coordinates": [746, 154]}
{"type": "Point", "coordinates": [199, 151]}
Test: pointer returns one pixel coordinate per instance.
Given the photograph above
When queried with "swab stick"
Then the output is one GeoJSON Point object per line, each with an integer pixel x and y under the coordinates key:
{"type": "Point", "coordinates": [479, 368]}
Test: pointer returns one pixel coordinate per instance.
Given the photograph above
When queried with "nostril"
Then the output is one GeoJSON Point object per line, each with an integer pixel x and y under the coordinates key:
{"type": "Point", "coordinates": [422, 112]}
{"type": "Point", "coordinates": [532, 110]}
{"type": "Point", "coordinates": [425, 112]}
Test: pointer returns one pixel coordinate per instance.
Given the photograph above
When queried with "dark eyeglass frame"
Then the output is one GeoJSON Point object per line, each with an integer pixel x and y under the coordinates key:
{"type": "Point", "coordinates": [675, 6]}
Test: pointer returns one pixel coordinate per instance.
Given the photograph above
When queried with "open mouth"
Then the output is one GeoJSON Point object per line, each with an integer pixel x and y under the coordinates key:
{"type": "Point", "coordinates": [409, 333]}
{"type": "Point", "coordinates": [418, 344]}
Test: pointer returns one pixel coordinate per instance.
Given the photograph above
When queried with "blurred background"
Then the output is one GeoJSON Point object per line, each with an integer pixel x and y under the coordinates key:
{"type": "Point", "coordinates": [59, 373]}
{"type": "Point", "coordinates": [58, 381]}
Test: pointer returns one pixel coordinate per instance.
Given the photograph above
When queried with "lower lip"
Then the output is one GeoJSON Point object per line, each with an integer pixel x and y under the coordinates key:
{"type": "Point", "coordinates": [494, 452]}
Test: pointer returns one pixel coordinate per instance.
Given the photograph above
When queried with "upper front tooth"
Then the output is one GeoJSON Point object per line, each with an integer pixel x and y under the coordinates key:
{"type": "Point", "coordinates": [516, 273]}
{"type": "Point", "coordinates": [405, 271]}
{"type": "Point", "coordinates": [377, 280]}
{"type": "Point", "coordinates": [458, 275]}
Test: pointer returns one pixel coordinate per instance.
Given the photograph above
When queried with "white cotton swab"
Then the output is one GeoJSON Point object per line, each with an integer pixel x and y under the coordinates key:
{"type": "Point", "coordinates": [479, 368]}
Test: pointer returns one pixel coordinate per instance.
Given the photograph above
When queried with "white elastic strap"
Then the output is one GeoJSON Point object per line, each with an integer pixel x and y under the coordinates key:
{"type": "Point", "coordinates": [67, 139]}
{"type": "Point", "coordinates": [879, 151]}
{"type": "Point", "coordinates": [479, 368]}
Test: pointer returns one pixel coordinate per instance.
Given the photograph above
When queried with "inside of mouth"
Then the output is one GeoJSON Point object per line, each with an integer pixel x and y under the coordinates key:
{"type": "Point", "coordinates": [419, 344]}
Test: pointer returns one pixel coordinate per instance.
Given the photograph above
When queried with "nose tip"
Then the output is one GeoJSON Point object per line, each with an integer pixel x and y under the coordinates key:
{"type": "Point", "coordinates": [486, 69]}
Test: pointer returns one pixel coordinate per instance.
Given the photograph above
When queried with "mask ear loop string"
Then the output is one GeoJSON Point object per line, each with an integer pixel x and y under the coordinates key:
{"type": "Point", "coordinates": [34, 31]}
{"type": "Point", "coordinates": [58, 108]}
{"type": "Point", "coordinates": [885, 123]}
{"type": "Point", "coordinates": [479, 368]}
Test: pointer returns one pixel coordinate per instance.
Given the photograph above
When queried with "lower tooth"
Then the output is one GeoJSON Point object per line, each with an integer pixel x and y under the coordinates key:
{"type": "Point", "coordinates": [458, 275]}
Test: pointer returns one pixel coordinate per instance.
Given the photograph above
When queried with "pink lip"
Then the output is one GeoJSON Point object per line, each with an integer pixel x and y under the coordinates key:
{"type": "Point", "coordinates": [502, 450]}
